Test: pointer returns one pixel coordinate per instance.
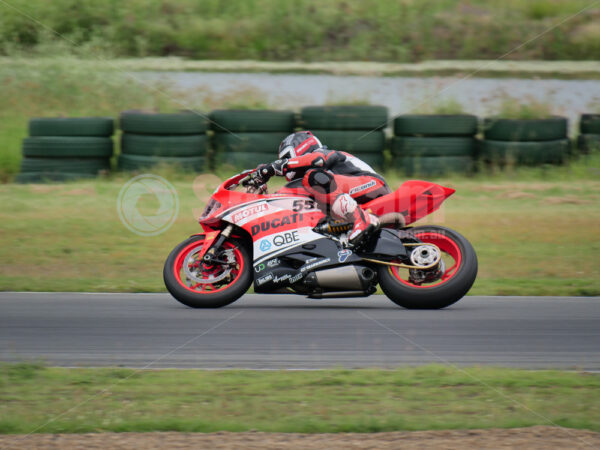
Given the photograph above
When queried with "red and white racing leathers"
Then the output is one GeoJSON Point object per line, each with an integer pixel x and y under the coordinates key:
{"type": "Point", "coordinates": [338, 181]}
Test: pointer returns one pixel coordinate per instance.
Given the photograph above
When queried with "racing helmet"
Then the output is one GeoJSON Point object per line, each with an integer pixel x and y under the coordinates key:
{"type": "Point", "coordinates": [298, 144]}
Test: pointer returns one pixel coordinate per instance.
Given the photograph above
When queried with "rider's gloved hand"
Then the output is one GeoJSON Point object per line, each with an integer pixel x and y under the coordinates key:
{"type": "Point", "coordinates": [271, 169]}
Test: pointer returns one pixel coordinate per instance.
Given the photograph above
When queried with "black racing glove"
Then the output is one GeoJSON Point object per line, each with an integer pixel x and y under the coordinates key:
{"type": "Point", "coordinates": [275, 168]}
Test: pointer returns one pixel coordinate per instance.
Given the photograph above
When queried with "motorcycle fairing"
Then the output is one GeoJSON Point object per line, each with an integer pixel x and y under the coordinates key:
{"type": "Point", "coordinates": [293, 264]}
{"type": "Point", "coordinates": [414, 199]}
{"type": "Point", "coordinates": [384, 245]}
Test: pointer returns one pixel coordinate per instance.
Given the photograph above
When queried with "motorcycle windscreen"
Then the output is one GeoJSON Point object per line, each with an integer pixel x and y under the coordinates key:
{"type": "Point", "coordinates": [413, 199]}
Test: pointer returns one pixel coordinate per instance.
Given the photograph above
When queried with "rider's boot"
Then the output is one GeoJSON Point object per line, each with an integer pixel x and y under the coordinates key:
{"type": "Point", "coordinates": [345, 207]}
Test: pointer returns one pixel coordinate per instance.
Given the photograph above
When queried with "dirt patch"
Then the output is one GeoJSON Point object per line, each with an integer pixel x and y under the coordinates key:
{"type": "Point", "coordinates": [81, 191]}
{"type": "Point", "coordinates": [568, 199]}
{"type": "Point", "coordinates": [43, 188]}
{"type": "Point", "coordinates": [540, 437]}
{"type": "Point", "coordinates": [515, 195]}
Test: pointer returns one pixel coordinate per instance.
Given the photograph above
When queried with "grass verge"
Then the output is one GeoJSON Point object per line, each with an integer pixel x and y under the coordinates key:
{"type": "Point", "coordinates": [55, 400]}
{"type": "Point", "coordinates": [533, 235]}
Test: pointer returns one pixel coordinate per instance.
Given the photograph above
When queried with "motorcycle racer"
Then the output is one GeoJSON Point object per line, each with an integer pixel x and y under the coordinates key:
{"type": "Point", "coordinates": [337, 180]}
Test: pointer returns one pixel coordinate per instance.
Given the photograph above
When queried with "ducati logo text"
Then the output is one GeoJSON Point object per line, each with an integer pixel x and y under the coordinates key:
{"type": "Point", "coordinates": [276, 223]}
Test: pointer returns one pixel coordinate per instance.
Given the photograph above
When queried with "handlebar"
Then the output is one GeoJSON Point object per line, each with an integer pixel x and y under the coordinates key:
{"type": "Point", "coordinates": [252, 184]}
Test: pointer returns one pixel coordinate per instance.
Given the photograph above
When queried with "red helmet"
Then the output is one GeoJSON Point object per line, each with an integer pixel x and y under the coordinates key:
{"type": "Point", "coordinates": [298, 144]}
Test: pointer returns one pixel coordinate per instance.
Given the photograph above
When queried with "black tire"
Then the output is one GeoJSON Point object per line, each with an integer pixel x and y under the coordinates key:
{"type": "Point", "coordinates": [233, 120]}
{"type": "Point", "coordinates": [67, 147]}
{"type": "Point", "coordinates": [68, 165]}
{"type": "Point", "coordinates": [216, 300]}
{"type": "Point", "coordinates": [442, 295]}
{"type": "Point", "coordinates": [249, 143]}
{"type": "Point", "coordinates": [139, 162]}
{"type": "Point", "coordinates": [72, 126]}
{"type": "Point", "coordinates": [163, 124]}
{"type": "Point", "coordinates": [433, 146]}
{"type": "Point", "coordinates": [433, 165]}
{"type": "Point", "coordinates": [50, 177]}
{"type": "Point", "coordinates": [351, 117]}
{"type": "Point", "coordinates": [524, 153]}
{"type": "Point", "coordinates": [588, 143]}
{"type": "Point", "coordinates": [145, 145]}
{"type": "Point", "coordinates": [436, 125]}
{"type": "Point", "coordinates": [242, 160]}
{"type": "Point", "coordinates": [525, 130]}
{"type": "Point", "coordinates": [352, 141]}
{"type": "Point", "coordinates": [590, 124]}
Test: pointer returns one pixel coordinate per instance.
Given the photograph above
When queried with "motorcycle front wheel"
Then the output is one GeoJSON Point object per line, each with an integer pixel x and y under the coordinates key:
{"type": "Point", "coordinates": [199, 285]}
{"type": "Point", "coordinates": [458, 275]}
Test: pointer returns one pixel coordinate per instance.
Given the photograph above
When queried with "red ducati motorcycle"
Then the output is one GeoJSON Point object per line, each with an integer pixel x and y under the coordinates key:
{"type": "Point", "coordinates": [284, 243]}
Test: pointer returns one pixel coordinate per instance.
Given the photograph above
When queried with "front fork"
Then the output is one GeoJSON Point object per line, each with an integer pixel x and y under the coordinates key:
{"type": "Point", "coordinates": [213, 241]}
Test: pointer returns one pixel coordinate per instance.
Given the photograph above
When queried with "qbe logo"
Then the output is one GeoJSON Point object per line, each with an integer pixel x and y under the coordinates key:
{"type": "Point", "coordinates": [285, 238]}
{"type": "Point", "coordinates": [264, 245]}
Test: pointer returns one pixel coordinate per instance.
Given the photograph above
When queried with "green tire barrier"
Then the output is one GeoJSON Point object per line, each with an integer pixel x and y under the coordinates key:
{"type": "Point", "coordinates": [139, 162]}
{"type": "Point", "coordinates": [352, 141]}
{"type": "Point", "coordinates": [43, 177]}
{"type": "Point", "coordinates": [64, 147]}
{"type": "Point", "coordinates": [72, 126]}
{"type": "Point", "coordinates": [353, 117]}
{"type": "Point", "coordinates": [67, 165]}
{"type": "Point", "coordinates": [243, 160]}
{"type": "Point", "coordinates": [433, 146]}
{"type": "Point", "coordinates": [590, 124]}
{"type": "Point", "coordinates": [163, 124]}
{"type": "Point", "coordinates": [433, 165]}
{"type": "Point", "coordinates": [525, 130]}
{"type": "Point", "coordinates": [375, 160]}
{"type": "Point", "coordinates": [527, 153]}
{"type": "Point", "coordinates": [249, 143]}
{"type": "Point", "coordinates": [588, 143]}
{"type": "Point", "coordinates": [145, 145]}
{"type": "Point", "coordinates": [436, 125]}
{"type": "Point", "coordinates": [233, 120]}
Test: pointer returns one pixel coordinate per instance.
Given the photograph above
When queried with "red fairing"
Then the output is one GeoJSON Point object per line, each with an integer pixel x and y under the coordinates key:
{"type": "Point", "coordinates": [414, 199]}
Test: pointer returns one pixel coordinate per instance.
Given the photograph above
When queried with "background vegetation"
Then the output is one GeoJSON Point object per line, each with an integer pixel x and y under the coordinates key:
{"type": "Point", "coordinates": [337, 30]}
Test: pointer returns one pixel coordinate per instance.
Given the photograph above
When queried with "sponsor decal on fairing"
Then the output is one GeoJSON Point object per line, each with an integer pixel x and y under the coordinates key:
{"type": "Point", "coordinates": [270, 246]}
{"type": "Point", "coordinates": [264, 279]}
{"type": "Point", "coordinates": [343, 255]}
{"type": "Point", "coordinates": [315, 264]}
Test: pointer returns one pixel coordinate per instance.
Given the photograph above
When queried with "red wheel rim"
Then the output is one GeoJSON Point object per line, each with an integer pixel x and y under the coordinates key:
{"type": "Point", "coordinates": [193, 250]}
{"type": "Point", "coordinates": [451, 255]}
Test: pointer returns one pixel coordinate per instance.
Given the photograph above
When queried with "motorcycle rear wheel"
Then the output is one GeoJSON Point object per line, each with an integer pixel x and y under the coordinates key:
{"type": "Point", "coordinates": [459, 274]}
{"type": "Point", "coordinates": [197, 285]}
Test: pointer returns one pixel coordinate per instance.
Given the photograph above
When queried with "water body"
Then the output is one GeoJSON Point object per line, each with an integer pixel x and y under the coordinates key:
{"type": "Point", "coordinates": [402, 95]}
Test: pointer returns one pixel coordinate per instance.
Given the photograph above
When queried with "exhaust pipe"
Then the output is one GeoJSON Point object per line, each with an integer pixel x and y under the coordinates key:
{"type": "Point", "coordinates": [345, 278]}
{"type": "Point", "coordinates": [392, 220]}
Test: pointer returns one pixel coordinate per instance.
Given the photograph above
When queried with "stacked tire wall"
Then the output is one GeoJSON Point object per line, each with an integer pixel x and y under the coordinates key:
{"type": "Point", "coordinates": [355, 129]}
{"type": "Point", "coordinates": [244, 139]}
{"type": "Point", "coordinates": [149, 140]}
{"type": "Point", "coordinates": [589, 137]}
{"type": "Point", "coordinates": [525, 141]}
{"type": "Point", "coordinates": [61, 149]}
{"type": "Point", "coordinates": [434, 144]}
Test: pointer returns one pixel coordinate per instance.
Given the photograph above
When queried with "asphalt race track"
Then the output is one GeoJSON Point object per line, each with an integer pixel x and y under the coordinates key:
{"type": "Point", "coordinates": [291, 332]}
